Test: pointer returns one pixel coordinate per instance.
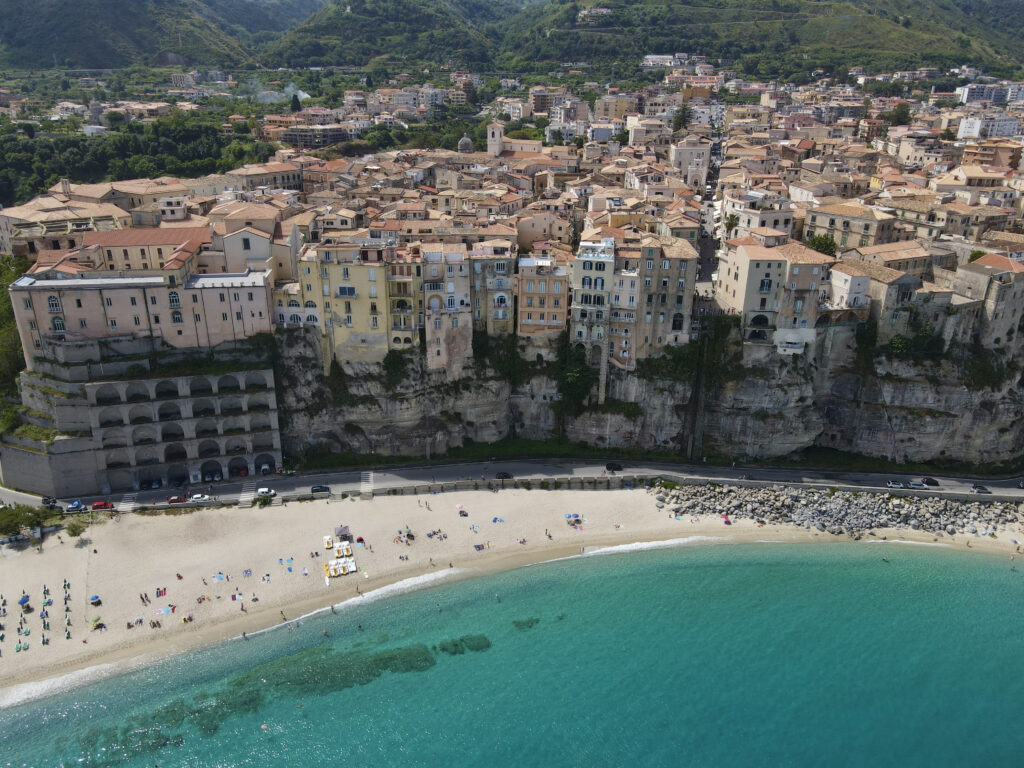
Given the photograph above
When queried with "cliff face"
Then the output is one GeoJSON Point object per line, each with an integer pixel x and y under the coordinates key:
{"type": "Point", "coordinates": [767, 406]}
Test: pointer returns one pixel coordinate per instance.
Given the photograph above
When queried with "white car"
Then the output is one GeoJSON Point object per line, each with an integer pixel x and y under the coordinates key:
{"type": "Point", "coordinates": [266, 493]}
{"type": "Point", "coordinates": [198, 497]}
{"type": "Point", "coordinates": [917, 485]}
{"type": "Point", "coordinates": [894, 484]}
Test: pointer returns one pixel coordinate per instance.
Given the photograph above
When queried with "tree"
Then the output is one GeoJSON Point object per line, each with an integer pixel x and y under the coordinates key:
{"type": "Point", "coordinates": [731, 222]}
{"type": "Point", "coordinates": [682, 117]}
{"type": "Point", "coordinates": [976, 254]}
{"type": "Point", "coordinates": [822, 244]}
{"type": "Point", "coordinates": [622, 137]}
{"type": "Point", "coordinates": [296, 105]}
{"type": "Point", "coordinates": [900, 114]}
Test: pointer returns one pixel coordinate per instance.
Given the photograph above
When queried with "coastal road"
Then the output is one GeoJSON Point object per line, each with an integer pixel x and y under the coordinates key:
{"type": "Point", "coordinates": [541, 469]}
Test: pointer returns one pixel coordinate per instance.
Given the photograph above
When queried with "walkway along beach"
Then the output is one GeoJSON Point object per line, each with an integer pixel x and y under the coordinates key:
{"type": "Point", "coordinates": [241, 569]}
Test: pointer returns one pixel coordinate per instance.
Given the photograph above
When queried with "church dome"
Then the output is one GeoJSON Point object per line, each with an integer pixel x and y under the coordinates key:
{"type": "Point", "coordinates": [465, 144]}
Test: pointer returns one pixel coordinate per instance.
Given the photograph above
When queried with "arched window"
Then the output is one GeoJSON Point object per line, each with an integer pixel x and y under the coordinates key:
{"type": "Point", "coordinates": [53, 303]}
{"type": "Point", "coordinates": [58, 323]}
{"type": "Point", "coordinates": [295, 319]}
{"type": "Point", "coordinates": [310, 305]}
{"type": "Point", "coordinates": [280, 303]}
{"type": "Point", "coordinates": [174, 300]}
{"type": "Point", "coordinates": [312, 319]}
{"type": "Point", "coordinates": [587, 282]}
{"type": "Point", "coordinates": [175, 316]}
{"type": "Point", "coordinates": [293, 303]}
{"type": "Point", "coordinates": [599, 284]}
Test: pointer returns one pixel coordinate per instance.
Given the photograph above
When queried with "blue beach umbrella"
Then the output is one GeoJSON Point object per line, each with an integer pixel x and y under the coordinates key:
{"type": "Point", "coordinates": [94, 598]}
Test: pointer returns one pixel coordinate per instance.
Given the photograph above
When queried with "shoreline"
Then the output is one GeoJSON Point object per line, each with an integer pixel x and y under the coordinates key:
{"type": "Point", "coordinates": [616, 522]}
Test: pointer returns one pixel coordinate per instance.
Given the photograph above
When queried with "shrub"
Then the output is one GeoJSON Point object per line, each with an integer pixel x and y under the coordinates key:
{"type": "Point", "coordinates": [74, 529]}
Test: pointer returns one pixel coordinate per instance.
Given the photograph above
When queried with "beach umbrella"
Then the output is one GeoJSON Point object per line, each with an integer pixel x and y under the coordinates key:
{"type": "Point", "coordinates": [94, 598]}
{"type": "Point", "coordinates": [23, 600]}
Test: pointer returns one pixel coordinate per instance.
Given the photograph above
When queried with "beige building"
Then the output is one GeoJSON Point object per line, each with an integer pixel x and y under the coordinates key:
{"type": "Point", "coordinates": [542, 301]}
{"type": "Point", "coordinates": [50, 223]}
{"type": "Point", "coordinates": [448, 316]}
{"type": "Point", "coordinates": [850, 224]}
{"type": "Point", "coordinates": [493, 286]}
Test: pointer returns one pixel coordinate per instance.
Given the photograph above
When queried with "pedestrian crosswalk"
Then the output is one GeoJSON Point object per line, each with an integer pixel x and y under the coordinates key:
{"type": "Point", "coordinates": [366, 484]}
{"type": "Point", "coordinates": [127, 503]}
{"type": "Point", "coordinates": [247, 495]}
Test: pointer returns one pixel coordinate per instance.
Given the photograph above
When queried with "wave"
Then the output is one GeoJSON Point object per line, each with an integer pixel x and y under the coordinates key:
{"type": "Point", "coordinates": [24, 692]}
{"type": "Point", "coordinates": [641, 546]}
{"type": "Point", "coordinates": [405, 585]}
{"type": "Point", "coordinates": [908, 543]}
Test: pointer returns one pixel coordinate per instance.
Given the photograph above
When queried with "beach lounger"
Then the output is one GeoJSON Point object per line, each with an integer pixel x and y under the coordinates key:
{"type": "Point", "coordinates": [328, 542]}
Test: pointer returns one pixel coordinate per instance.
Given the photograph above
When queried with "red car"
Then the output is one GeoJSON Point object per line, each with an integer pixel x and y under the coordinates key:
{"type": "Point", "coordinates": [103, 505]}
{"type": "Point", "coordinates": [175, 499]}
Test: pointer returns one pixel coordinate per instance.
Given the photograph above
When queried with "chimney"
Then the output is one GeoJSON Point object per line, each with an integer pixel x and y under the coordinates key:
{"type": "Point", "coordinates": [65, 187]}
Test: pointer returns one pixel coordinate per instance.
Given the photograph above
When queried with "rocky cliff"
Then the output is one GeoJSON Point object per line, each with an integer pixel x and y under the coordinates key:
{"type": "Point", "coordinates": [765, 405]}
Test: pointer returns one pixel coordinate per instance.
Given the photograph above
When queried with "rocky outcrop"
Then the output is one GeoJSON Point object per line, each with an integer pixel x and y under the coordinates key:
{"type": "Point", "coordinates": [765, 405]}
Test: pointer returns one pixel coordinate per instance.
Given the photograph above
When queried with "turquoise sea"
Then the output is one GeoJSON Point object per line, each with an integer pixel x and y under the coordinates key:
{"type": "Point", "coordinates": [702, 655]}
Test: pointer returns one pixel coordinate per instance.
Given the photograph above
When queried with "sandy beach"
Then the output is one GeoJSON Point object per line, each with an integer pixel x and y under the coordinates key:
{"type": "Point", "coordinates": [123, 560]}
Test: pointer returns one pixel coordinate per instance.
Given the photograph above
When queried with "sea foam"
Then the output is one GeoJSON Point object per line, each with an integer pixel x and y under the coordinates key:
{"type": "Point", "coordinates": [23, 692]}
{"type": "Point", "coordinates": [640, 546]}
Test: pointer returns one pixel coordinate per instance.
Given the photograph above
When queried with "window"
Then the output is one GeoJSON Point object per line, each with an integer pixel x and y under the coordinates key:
{"type": "Point", "coordinates": [53, 303]}
{"type": "Point", "coordinates": [152, 300]}
{"type": "Point", "coordinates": [372, 274]}
{"type": "Point", "coordinates": [650, 263]}
{"type": "Point", "coordinates": [173, 299]}
{"type": "Point", "coordinates": [27, 303]}
{"type": "Point", "coordinates": [246, 244]}
{"type": "Point", "coordinates": [664, 264]}
{"type": "Point", "coordinates": [235, 295]}
{"type": "Point", "coordinates": [136, 320]}
{"type": "Point", "coordinates": [113, 323]}
{"type": "Point", "coordinates": [156, 319]}
{"type": "Point", "coordinates": [58, 323]}
{"type": "Point", "coordinates": [238, 315]}
{"type": "Point", "coordinates": [455, 322]}
{"type": "Point", "coordinates": [175, 316]}
{"type": "Point", "coordinates": [82, 323]}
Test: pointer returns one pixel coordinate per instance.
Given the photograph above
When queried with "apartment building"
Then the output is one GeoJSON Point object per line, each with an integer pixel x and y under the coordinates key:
{"type": "Point", "coordinates": [591, 298]}
{"type": "Point", "coordinates": [542, 301]}
{"type": "Point", "coordinates": [448, 316]}
{"type": "Point", "coordinates": [1001, 153]}
{"type": "Point", "coordinates": [52, 223]}
{"type": "Point", "coordinates": [750, 284]}
{"type": "Point", "coordinates": [494, 286]}
{"type": "Point", "coordinates": [850, 224]}
{"type": "Point", "coordinates": [343, 290]}
{"type": "Point", "coordinates": [757, 209]}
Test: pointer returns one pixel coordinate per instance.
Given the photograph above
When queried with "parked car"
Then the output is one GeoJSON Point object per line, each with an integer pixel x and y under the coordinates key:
{"type": "Point", "coordinates": [103, 505]}
{"type": "Point", "coordinates": [613, 466]}
{"type": "Point", "coordinates": [155, 484]}
{"type": "Point", "coordinates": [49, 502]}
{"type": "Point", "coordinates": [503, 476]}
{"type": "Point", "coordinates": [217, 477]}
{"type": "Point", "coordinates": [175, 499]}
{"type": "Point", "coordinates": [917, 486]}
{"type": "Point", "coordinates": [208, 478]}
{"type": "Point", "coordinates": [266, 493]}
{"type": "Point", "coordinates": [929, 481]}
{"type": "Point", "coordinates": [199, 497]}
{"type": "Point", "coordinates": [894, 484]}
{"type": "Point", "coordinates": [320, 489]}
{"type": "Point", "coordinates": [76, 506]}
{"type": "Point", "coordinates": [978, 488]}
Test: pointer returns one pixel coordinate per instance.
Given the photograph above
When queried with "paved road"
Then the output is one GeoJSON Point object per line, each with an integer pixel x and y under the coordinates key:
{"type": "Point", "coordinates": [540, 469]}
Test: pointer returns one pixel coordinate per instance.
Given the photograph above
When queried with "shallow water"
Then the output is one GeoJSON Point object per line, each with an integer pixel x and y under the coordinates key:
{"type": "Point", "coordinates": [762, 654]}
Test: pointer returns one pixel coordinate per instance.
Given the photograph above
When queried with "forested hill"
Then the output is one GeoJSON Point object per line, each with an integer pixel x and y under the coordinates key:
{"type": "Point", "coordinates": [765, 38]}
{"type": "Point", "coordinates": [114, 33]}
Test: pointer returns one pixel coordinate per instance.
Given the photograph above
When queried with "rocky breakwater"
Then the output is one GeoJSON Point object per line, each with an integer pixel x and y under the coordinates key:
{"type": "Point", "coordinates": [841, 512]}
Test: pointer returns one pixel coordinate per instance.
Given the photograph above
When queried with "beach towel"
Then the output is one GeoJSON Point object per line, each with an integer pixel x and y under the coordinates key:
{"type": "Point", "coordinates": [478, 547]}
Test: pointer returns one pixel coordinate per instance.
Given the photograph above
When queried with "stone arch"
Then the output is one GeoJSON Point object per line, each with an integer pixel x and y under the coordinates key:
{"type": "Point", "coordinates": [177, 474]}
{"type": "Point", "coordinates": [255, 381]}
{"type": "Point", "coordinates": [235, 445]}
{"type": "Point", "coordinates": [200, 385]}
{"type": "Point", "coordinates": [107, 395]}
{"type": "Point", "coordinates": [175, 452]}
{"type": "Point", "coordinates": [110, 416]}
{"type": "Point", "coordinates": [168, 411]}
{"type": "Point", "coordinates": [205, 427]}
{"type": "Point", "coordinates": [210, 469]}
{"type": "Point", "coordinates": [259, 422]}
{"type": "Point", "coordinates": [140, 414]}
{"type": "Point", "coordinates": [236, 465]}
{"type": "Point", "coordinates": [230, 405]}
{"type": "Point", "coordinates": [266, 458]}
{"type": "Point", "coordinates": [822, 321]}
{"type": "Point", "coordinates": [150, 476]}
{"type": "Point", "coordinates": [233, 424]}
{"type": "Point", "coordinates": [171, 432]}
{"type": "Point", "coordinates": [201, 408]}
{"type": "Point", "coordinates": [114, 438]}
{"type": "Point", "coordinates": [136, 392]}
{"type": "Point", "coordinates": [759, 321]}
{"type": "Point", "coordinates": [208, 448]}
{"type": "Point", "coordinates": [143, 435]}
{"type": "Point", "coordinates": [119, 457]}
{"type": "Point", "coordinates": [228, 383]}
{"type": "Point", "coordinates": [165, 389]}
{"type": "Point", "coordinates": [147, 455]}
{"type": "Point", "coordinates": [257, 404]}
{"type": "Point", "coordinates": [758, 335]}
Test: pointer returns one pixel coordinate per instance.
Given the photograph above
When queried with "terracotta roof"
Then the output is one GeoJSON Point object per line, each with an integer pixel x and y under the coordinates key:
{"type": "Point", "coordinates": [123, 238]}
{"type": "Point", "coordinates": [995, 261]}
{"type": "Point", "coordinates": [876, 272]}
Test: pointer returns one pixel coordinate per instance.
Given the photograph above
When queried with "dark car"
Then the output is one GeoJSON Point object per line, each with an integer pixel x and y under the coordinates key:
{"type": "Point", "coordinates": [103, 505]}
{"type": "Point", "coordinates": [929, 481]}
{"type": "Point", "coordinates": [49, 502]}
{"type": "Point", "coordinates": [977, 488]}
{"type": "Point", "coordinates": [613, 466]}
{"type": "Point", "coordinates": [504, 476]}
{"type": "Point", "coordinates": [320, 489]}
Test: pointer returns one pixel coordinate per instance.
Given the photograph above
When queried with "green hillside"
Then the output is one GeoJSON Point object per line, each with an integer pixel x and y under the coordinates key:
{"type": "Point", "coordinates": [352, 32]}
{"type": "Point", "coordinates": [768, 38]}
